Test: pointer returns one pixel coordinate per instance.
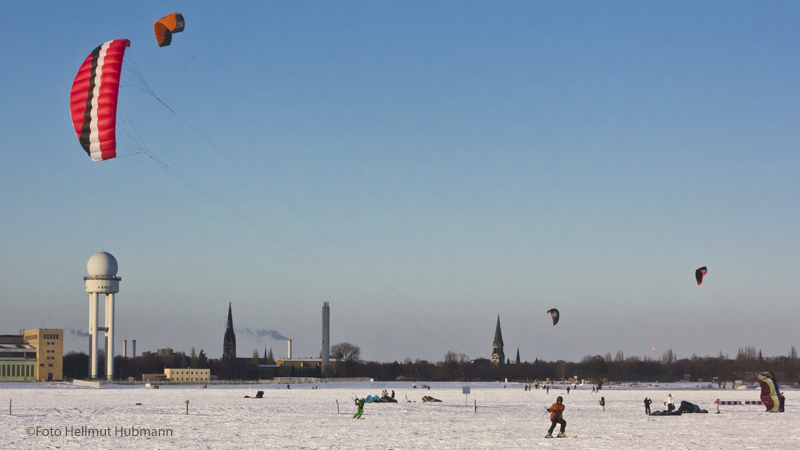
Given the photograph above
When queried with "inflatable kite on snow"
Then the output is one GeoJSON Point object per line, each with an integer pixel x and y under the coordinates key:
{"type": "Point", "coordinates": [769, 391]}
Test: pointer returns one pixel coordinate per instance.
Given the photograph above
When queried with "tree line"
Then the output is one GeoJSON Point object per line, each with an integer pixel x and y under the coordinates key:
{"type": "Point", "coordinates": [721, 370]}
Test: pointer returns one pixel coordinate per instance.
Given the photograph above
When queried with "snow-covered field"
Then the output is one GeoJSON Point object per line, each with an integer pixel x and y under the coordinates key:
{"type": "Point", "coordinates": [58, 415]}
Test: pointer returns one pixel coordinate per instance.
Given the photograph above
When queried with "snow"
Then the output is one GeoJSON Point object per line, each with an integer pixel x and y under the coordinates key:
{"type": "Point", "coordinates": [507, 417]}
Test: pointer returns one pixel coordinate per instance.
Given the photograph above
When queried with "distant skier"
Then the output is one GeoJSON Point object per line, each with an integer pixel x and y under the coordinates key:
{"type": "Point", "coordinates": [567, 390]}
{"type": "Point", "coordinates": [360, 405]}
{"type": "Point", "coordinates": [669, 403]}
{"type": "Point", "coordinates": [647, 403]}
{"type": "Point", "coordinates": [556, 412]}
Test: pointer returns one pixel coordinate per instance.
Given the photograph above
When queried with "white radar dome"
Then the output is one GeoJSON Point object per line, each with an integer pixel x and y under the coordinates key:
{"type": "Point", "coordinates": [102, 263]}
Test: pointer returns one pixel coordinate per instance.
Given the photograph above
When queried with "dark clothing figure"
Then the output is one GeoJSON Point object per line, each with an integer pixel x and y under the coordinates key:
{"type": "Point", "coordinates": [556, 418]}
{"type": "Point", "coordinates": [782, 401]}
{"type": "Point", "coordinates": [603, 403]}
{"type": "Point", "coordinates": [548, 389]}
{"type": "Point", "coordinates": [555, 422]}
{"type": "Point", "coordinates": [567, 390]}
{"type": "Point", "coordinates": [392, 393]}
{"type": "Point", "coordinates": [647, 403]}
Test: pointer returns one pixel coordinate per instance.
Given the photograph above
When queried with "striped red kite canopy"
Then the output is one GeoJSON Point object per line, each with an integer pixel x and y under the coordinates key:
{"type": "Point", "coordinates": [93, 99]}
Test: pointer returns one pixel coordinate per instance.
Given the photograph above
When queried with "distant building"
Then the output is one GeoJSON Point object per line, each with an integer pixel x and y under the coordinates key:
{"type": "Point", "coordinates": [308, 363]}
{"type": "Point", "coordinates": [498, 357]}
{"type": "Point", "coordinates": [32, 355]}
{"type": "Point", "coordinates": [154, 376]}
{"type": "Point", "coordinates": [49, 345]}
{"type": "Point", "coordinates": [202, 375]}
{"type": "Point", "coordinates": [229, 344]}
{"type": "Point", "coordinates": [17, 359]}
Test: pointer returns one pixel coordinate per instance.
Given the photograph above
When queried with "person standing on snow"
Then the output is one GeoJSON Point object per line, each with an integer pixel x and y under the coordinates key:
{"type": "Point", "coordinates": [360, 405]}
{"type": "Point", "coordinates": [556, 412]}
{"type": "Point", "coordinates": [670, 404]}
{"type": "Point", "coordinates": [647, 403]}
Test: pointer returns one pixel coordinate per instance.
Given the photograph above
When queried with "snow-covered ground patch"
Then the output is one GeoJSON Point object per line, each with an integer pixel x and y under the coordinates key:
{"type": "Point", "coordinates": [59, 415]}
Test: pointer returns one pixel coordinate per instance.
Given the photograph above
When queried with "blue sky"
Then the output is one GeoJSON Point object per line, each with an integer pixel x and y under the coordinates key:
{"type": "Point", "coordinates": [423, 167]}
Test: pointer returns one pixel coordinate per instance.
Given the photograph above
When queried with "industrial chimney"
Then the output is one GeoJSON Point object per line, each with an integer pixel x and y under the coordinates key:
{"type": "Point", "coordinates": [326, 338]}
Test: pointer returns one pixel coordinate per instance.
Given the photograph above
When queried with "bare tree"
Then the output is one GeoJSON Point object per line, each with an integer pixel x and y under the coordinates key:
{"type": "Point", "coordinates": [346, 351]}
{"type": "Point", "coordinates": [668, 357]}
{"type": "Point", "coordinates": [455, 358]}
{"type": "Point", "coordinates": [561, 369]}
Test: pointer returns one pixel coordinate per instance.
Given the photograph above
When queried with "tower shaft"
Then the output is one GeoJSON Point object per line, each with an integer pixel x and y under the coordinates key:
{"type": "Point", "coordinates": [326, 338]}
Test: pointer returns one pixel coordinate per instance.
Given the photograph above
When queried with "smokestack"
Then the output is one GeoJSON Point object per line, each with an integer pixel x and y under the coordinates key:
{"type": "Point", "coordinates": [108, 355]}
{"type": "Point", "coordinates": [124, 348]}
{"type": "Point", "coordinates": [326, 338]}
{"type": "Point", "coordinates": [289, 355]}
{"type": "Point", "coordinates": [134, 349]}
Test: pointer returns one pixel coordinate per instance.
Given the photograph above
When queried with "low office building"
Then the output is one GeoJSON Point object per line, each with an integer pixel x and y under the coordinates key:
{"type": "Point", "coordinates": [201, 375]}
{"type": "Point", "coordinates": [308, 363]}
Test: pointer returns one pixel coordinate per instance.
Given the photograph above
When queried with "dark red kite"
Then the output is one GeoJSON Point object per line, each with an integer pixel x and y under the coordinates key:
{"type": "Point", "coordinates": [554, 314]}
{"type": "Point", "coordinates": [700, 273]}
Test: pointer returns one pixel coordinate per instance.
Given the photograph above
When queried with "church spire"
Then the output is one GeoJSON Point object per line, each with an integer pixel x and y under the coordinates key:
{"type": "Point", "coordinates": [229, 344]}
{"type": "Point", "coordinates": [498, 357]}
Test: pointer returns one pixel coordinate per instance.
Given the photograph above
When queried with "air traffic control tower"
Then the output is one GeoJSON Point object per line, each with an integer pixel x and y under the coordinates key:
{"type": "Point", "coordinates": [102, 279]}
